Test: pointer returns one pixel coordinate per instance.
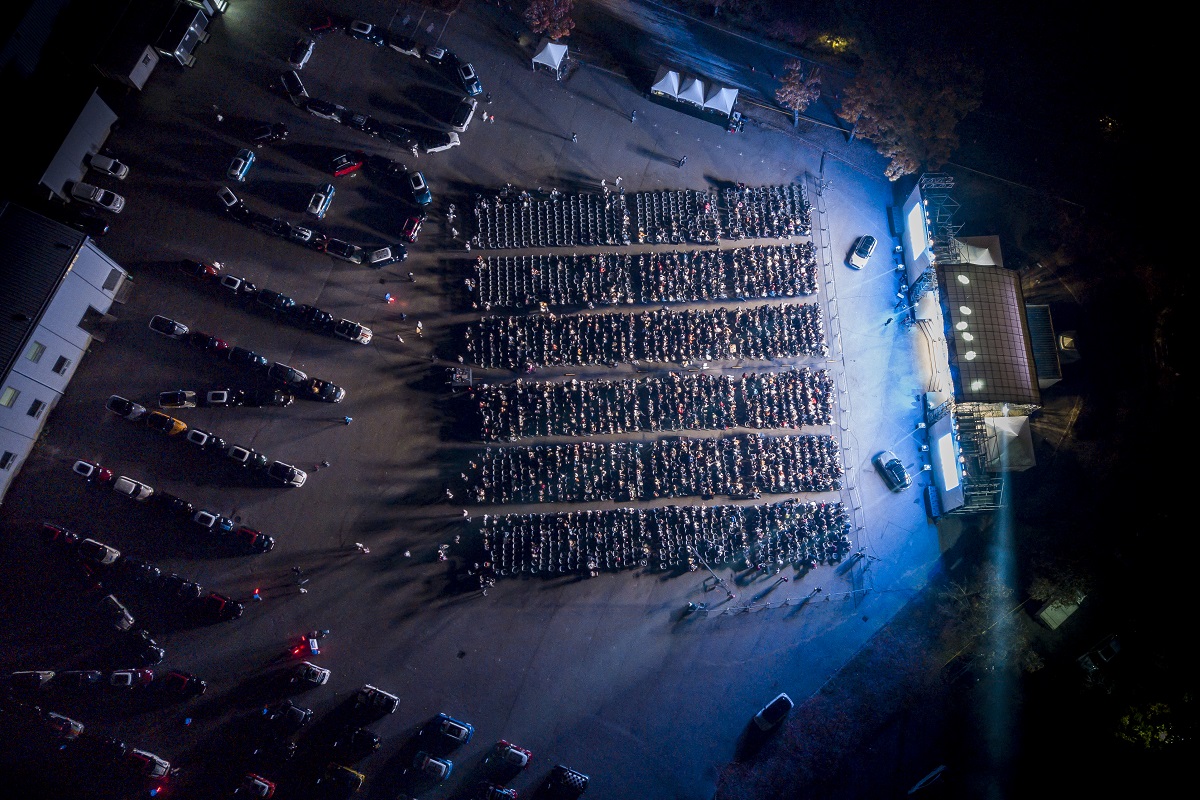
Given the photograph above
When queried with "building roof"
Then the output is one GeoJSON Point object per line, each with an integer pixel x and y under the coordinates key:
{"type": "Point", "coordinates": [1044, 343]}
{"type": "Point", "coordinates": [35, 255]}
{"type": "Point", "coordinates": [991, 357]}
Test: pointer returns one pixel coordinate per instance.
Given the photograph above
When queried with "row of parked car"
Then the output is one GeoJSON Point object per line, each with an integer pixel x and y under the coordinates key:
{"type": "Point", "coordinates": [175, 683]}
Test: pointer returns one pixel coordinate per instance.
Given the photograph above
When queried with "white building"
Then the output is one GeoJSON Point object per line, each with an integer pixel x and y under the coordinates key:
{"type": "Point", "coordinates": [56, 288]}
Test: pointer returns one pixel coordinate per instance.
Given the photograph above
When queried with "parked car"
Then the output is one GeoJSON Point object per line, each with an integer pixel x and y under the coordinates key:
{"type": "Point", "coordinates": [224, 398]}
{"type": "Point", "coordinates": [247, 358]}
{"type": "Point", "coordinates": [218, 607]}
{"type": "Point", "coordinates": [412, 226]}
{"type": "Point", "coordinates": [273, 301]}
{"type": "Point", "coordinates": [304, 235]}
{"type": "Point", "coordinates": [862, 251]}
{"type": "Point", "coordinates": [97, 552]}
{"type": "Point", "coordinates": [176, 586]}
{"type": "Point", "coordinates": [308, 674]}
{"type": "Point", "coordinates": [212, 521]}
{"type": "Point", "coordinates": [346, 163]}
{"type": "Point", "coordinates": [131, 678]}
{"type": "Point", "coordinates": [294, 87]}
{"type": "Point", "coordinates": [205, 440]}
{"type": "Point", "coordinates": [362, 122]}
{"type": "Point", "coordinates": [168, 327]}
{"type": "Point", "coordinates": [269, 132]}
{"type": "Point", "coordinates": [29, 680]}
{"type": "Point", "coordinates": [80, 218]}
{"type": "Point", "coordinates": [352, 331]}
{"type": "Point", "coordinates": [230, 201]}
{"type": "Point", "coordinates": [313, 317]}
{"type": "Point", "coordinates": [398, 135]}
{"type": "Point", "coordinates": [199, 269]}
{"type": "Point", "coordinates": [365, 31]}
{"type": "Point", "coordinates": [287, 717]}
{"type": "Point", "coordinates": [109, 166]}
{"type": "Point", "coordinates": [141, 646]}
{"type": "Point", "coordinates": [247, 457]}
{"type": "Point", "coordinates": [252, 541]}
{"type": "Point", "coordinates": [446, 731]}
{"type": "Point", "coordinates": [239, 286]}
{"type": "Point", "coordinates": [892, 469]}
{"type": "Point", "coordinates": [179, 398]}
{"type": "Point", "coordinates": [125, 408]}
{"type": "Point", "coordinates": [95, 196]}
{"type": "Point", "coordinates": [370, 699]}
{"type": "Point", "coordinates": [463, 114]}
{"type": "Point", "coordinates": [302, 51]}
{"type": "Point", "coordinates": [344, 250]}
{"type": "Point", "coordinates": [261, 398]}
{"type": "Point", "coordinates": [439, 141]}
{"type": "Point", "coordinates": [158, 421]}
{"type": "Point", "coordinates": [1099, 656]}
{"type": "Point", "coordinates": [354, 742]}
{"type": "Point", "coordinates": [341, 778]}
{"type": "Point", "coordinates": [183, 684]}
{"type": "Point", "coordinates": [78, 679]}
{"type": "Point", "coordinates": [773, 712]}
{"type": "Point", "coordinates": [116, 614]}
{"type": "Point", "coordinates": [383, 256]}
{"type": "Point", "coordinates": [317, 389]}
{"type": "Point", "coordinates": [486, 790]}
{"type": "Point", "coordinates": [286, 474]}
{"type": "Point", "coordinates": [563, 783]}
{"type": "Point", "coordinates": [174, 504]}
{"type": "Point", "coordinates": [432, 767]}
{"type": "Point", "coordinates": [92, 471]}
{"type": "Point", "coordinates": [440, 56]}
{"type": "Point", "coordinates": [468, 78]}
{"type": "Point", "coordinates": [155, 770]}
{"type": "Point", "coordinates": [405, 45]}
{"type": "Point", "coordinates": [240, 165]}
{"type": "Point", "coordinates": [255, 785]}
{"type": "Point", "coordinates": [285, 375]}
{"type": "Point", "coordinates": [138, 571]}
{"type": "Point", "coordinates": [207, 341]}
{"type": "Point", "coordinates": [420, 189]}
{"type": "Point", "coordinates": [58, 535]}
{"type": "Point", "coordinates": [325, 109]}
{"type": "Point", "coordinates": [506, 760]}
{"type": "Point", "coordinates": [131, 488]}
{"type": "Point", "coordinates": [318, 206]}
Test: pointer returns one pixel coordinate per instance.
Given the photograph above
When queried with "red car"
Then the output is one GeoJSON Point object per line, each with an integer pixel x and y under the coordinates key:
{"type": "Point", "coordinates": [199, 269]}
{"type": "Point", "coordinates": [57, 534]}
{"type": "Point", "coordinates": [347, 163]}
{"type": "Point", "coordinates": [412, 226]}
{"type": "Point", "coordinates": [209, 342]}
{"type": "Point", "coordinates": [92, 471]}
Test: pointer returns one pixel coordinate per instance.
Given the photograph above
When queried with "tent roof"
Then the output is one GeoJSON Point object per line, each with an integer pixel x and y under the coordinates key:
{"type": "Point", "coordinates": [666, 81]}
{"type": "Point", "coordinates": [551, 54]}
{"type": "Point", "coordinates": [692, 90]}
{"type": "Point", "coordinates": [1009, 444]}
{"type": "Point", "coordinates": [721, 98]}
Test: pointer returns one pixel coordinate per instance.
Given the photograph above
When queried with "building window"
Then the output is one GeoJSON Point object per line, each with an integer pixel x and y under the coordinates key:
{"type": "Point", "coordinates": [60, 366]}
{"type": "Point", "coordinates": [7, 459]}
{"type": "Point", "coordinates": [35, 408]}
{"type": "Point", "coordinates": [34, 353]}
{"type": "Point", "coordinates": [114, 277]}
{"type": "Point", "coordinates": [9, 396]}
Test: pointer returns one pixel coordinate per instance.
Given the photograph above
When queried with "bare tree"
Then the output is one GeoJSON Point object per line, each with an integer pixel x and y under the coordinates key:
{"type": "Point", "coordinates": [911, 110]}
{"type": "Point", "coordinates": [799, 89]}
{"type": "Point", "coordinates": [551, 17]}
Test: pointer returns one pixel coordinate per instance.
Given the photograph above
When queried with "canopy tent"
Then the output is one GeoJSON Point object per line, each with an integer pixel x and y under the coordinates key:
{"type": "Point", "coordinates": [721, 98]}
{"type": "Point", "coordinates": [692, 90]}
{"type": "Point", "coordinates": [666, 82]}
{"type": "Point", "coordinates": [550, 55]}
{"type": "Point", "coordinates": [1009, 444]}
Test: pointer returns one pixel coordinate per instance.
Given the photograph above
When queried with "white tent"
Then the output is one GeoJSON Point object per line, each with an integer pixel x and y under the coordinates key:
{"type": "Point", "coordinates": [721, 98]}
{"type": "Point", "coordinates": [1009, 444]}
{"type": "Point", "coordinates": [666, 82]}
{"type": "Point", "coordinates": [692, 90]}
{"type": "Point", "coordinates": [551, 55]}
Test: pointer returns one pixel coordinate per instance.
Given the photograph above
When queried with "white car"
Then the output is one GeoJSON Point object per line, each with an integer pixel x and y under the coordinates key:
{"type": "Point", "coordinates": [311, 674]}
{"type": "Point", "coordinates": [109, 166]}
{"type": "Point", "coordinates": [438, 143]}
{"type": "Point", "coordinates": [131, 488]}
{"type": "Point", "coordinates": [95, 196]}
{"type": "Point", "coordinates": [862, 251]}
{"type": "Point", "coordinates": [352, 331]}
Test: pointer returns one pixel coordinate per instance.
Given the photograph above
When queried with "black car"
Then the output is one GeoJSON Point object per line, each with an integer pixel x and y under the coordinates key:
{"type": "Point", "coordinates": [142, 647]}
{"type": "Point", "coordinates": [247, 358]}
{"type": "Point", "coordinates": [58, 535]}
{"type": "Point", "coordinates": [313, 317]}
{"type": "Point", "coordinates": [269, 132]}
{"type": "Point", "coordinates": [218, 607]}
{"type": "Point", "coordinates": [285, 375]}
{"type": "Point", "coordinates": [397, 135]}
{"type": "Point", "coordinates": [563, 783]}
{"type": "Point", "coordinates": [354, 742]}
{"type": "Point", "coordinates": [287, 718]}
{"type": "Point", "coordinates": [325, 109]}
{"type": "Point", "coordinates": [262, 398]}
{"type": "Point", "coordinates": [80, 219]}
{"type": "Point", "coordinates": [273, 301]}
{"type": "Point", "coordinates": [173, 504]}
{"type": "Point", "coordinates": [78, 679]}
{"type": "Point", "coordinates": [223, 398]}
{"type": "Point", "coordinates": [344, 250]}
{"type": "Point", "coordinates": [892, 469]}
{"type": "Point", "coordinates": [317, 389]}
{"type": "Point", "coordinates": [176, 586]}
{"type": "Point", "coordinates": [139, 571]}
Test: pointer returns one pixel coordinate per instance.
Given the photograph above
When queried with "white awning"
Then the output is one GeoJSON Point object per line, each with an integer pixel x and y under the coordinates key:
{"type": "Point", "coordinates": [666, 82]}
{"type": "Point", "coordinates": [721, 98]}
{"type": "Point", "coordinates": [692, 90]}
{"type": "Point", "coordinates": [550, 54]}
{"type": "Point", "coordinates": [1009, 444]}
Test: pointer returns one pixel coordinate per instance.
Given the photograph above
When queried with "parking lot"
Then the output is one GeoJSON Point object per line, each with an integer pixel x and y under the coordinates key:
{"type": "Point", "coordinates": [609, 676]}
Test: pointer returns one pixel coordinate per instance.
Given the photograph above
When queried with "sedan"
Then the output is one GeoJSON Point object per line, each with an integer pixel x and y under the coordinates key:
{"type": "Point", "coordinates": [131, 678]}
{"type": "Point", "coordinates": [95, 196]}
{"type": "Point", "coordinates": [92, 471]}
{"type": "Point", "coordinates": [344, 250]}
{"type": "Point", "coordinates": [199, 269]}
{"type": "Point", "coordinates": [240, 165]}
{"type": "Point", "coordinates": [158, 421]}
{"type": "Point", "coordinates": [176, 586]}
{"type": "Point", "coordinates": [286, 474]}
{"type": "Point", "coordinates": [383, 256]}
{"type": "Point", "coordinates": [318, 205]}
{"type": "Point", "coordinates": [893, 471]}
{"type": "Point", "coordinates": [97, 552]}
{"type": "Point", "coordinates": [325, 109]}
{"type": "Point", "coordinates": [239, 286]}
{"type": "Point", "coordinates": [108, 165]}
{"type": "Point", "coordinates": [168, 327]}
{"type": "Point", "coordinates": [58, 535]}
{"type": "Point", "coordinates": [303, 235]}
{"type": "Point", "coordinates": [230, 201]}
{"type": "Point", "coordinates": [352, 331]}
{"type": "Point", "coordinates": [313, 317]}
{"type": "Point", "coordinates": [131, 488]}
{"type": "Point", "coordinates": [447, 731]}
{"type": "Point", "coordinates": [142, 647]}
{"type": "Point", "coordinates": [317, 389]}
{"type": "Point", "coordinates": [288, 376]}
{"type": "Point", "coordinates": [412, 226]}
{"type": "Point", "coordinates": [773, 712]}
{"type": "Point", "coordinates": [362, 122]}
{"type": "Point", "coordinates": [212, 344]}
{"type": "Point", "coordinates": [862, 251]}
{"type": "Point", "coordinates": [205, 440]}
{"type": "Point", "coordinates": [78, 679]}
{"type": "Point", "coordinates": [225, 398]}
{"type": "Point", "coordinates": [247, 358]}
{"type": "Point", "coordinates": [125, 408]}
{"type": "Point", "coordinates": [139, 571]}
{"type": "Point", "coordinates": [346, 163]}
{"type": "Point", "coordinates": [430, 766]}
{"type": "Point", "coordinates": [302, 50]}
{"type": "Point", "coordinates": [183, 684]}
{"type": "Point", "coordinates": [309, 674]}
{"type": "Point", "coordinates": [180, 398]}
{"type": "Point", "coordinates": [469, 80]}
{"type": "Point", "coordinates": [365, 31]}
{"type": "Point", "coordinates": [263, 398]}
{"type": "Point", "coordinates": [174, 504]}
{"type": "Point", "coordinates": [212, 522]}
{"type": "Point", "coordinates": [420, 189]}
{"type": "Point", "coordinates": [273, 301]}
{"type": "Point", "coordinates": [252, 541]}
{"type": "Point", "coordinates": [270, 132]}
{"type": "Point", "coordinates": [247, 457]}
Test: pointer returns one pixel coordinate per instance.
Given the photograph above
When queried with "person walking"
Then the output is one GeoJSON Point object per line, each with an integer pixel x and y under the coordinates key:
{"type": "Point", "coordinates": [362, 548]}
{"type": "Point", "coordinates": [412, 278]}
{"type": "Point", "coordinates": [574, 138]}
{"type": "Point", "coordinates": [347, 420]}
{"type": "Point", "coordinates": [420, 329]}
{"type": "Point", "coordinates": [682, 161]}
{"type": "Point", "coordinates": [889, 322]}
{"type": "Point", "coordinates": [633, 116]}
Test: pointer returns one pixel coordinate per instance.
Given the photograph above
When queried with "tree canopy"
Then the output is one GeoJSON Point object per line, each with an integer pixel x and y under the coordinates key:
{"type": "Point", "coordinates": [799, 90]}
{"type": "Point", "coordinates": [551, 17]}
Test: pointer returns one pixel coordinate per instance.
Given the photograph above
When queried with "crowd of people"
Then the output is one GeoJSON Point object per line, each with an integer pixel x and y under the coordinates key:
{"type": "Point", "coordinates": [760, 212]}
{"type": "Point", "coordinates": [675, 216]}
{"type": "Point", "coordinates": [518, 218]}
{"type": "Point", "coordinates": [592, 279]}
{"type": "Point", "coordinates": [763, 332]}
{"type": "Point", "coordinates": [675, 401]}
{"type": "Point", "coordinates": [740, 466]}
{"type": "Point", "coordinates": [765, 537]}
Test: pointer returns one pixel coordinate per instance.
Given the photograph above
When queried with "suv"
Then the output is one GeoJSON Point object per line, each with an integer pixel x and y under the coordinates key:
{"type": "Point", "coordinates": [383, 256]}
{"type": "Point", "coordinates": [463, 114]}
{"type": "Point", "coordinates": [370, 698]}
{"type": "Point", "coordinates": [862, 251]}
{"type": "Point", "coordinates": [437, 142]}
{"type": "Point", "coordinates": [352, 331]}
{"type": "Point", "coordinates": [893, 471]}
{"type": "Point", "coordinates": [773, 712]}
